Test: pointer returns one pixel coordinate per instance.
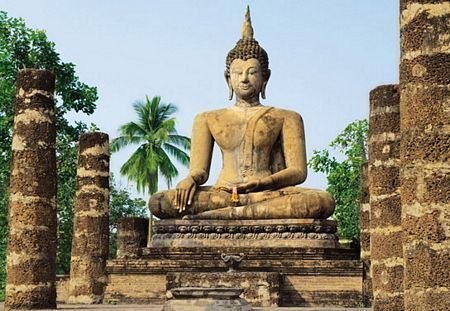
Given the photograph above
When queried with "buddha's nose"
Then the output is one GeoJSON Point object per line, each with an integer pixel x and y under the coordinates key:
{"type": "Point", "coordinates": [244, 77]}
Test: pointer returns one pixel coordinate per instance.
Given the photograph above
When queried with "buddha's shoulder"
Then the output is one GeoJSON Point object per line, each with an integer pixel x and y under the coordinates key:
{"type": "Point", "coordinates": [225, 112]}
{"type": "Point", "coordinates": [211, 113]}
{"type": "Point", "coordinates": [284, 113]}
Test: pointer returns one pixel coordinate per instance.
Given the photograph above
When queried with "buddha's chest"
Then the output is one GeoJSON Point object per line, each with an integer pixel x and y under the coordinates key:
{"type": "Point", "coordinates": [234, 131]}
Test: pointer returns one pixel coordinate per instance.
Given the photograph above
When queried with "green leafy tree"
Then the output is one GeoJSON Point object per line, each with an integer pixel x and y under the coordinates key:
{"type": "Point", "coordinates": [22, 47]}
{"type": "Point", "coordinates": [157, 138]}
{"type": "Point", "coordinates": [344, 180]}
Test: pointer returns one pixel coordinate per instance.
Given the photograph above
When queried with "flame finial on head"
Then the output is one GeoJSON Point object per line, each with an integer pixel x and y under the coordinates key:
{"type": "Point", "coordinates": [247, 47]}
{"type": "Point", "coordinates": [247, 29]}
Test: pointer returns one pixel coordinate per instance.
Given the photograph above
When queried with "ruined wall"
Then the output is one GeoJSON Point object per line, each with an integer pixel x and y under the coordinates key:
{"type": "Point", "coordinates": [91, 216]}
{"type": "Point", "coordinates": [132, 234]}
{"type": "Point", "coordinates": [425, 152]}
{"type": "Point", "coordinates": [30, 281]}
{"type": "Point", "coordinates": [385, 207]}
{"type": "Point", "coordinates": [364, 223]}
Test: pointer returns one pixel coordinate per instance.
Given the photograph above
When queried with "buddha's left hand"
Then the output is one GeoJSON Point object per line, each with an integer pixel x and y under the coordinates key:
{"type": "Point", "coordinates": [255, 185]}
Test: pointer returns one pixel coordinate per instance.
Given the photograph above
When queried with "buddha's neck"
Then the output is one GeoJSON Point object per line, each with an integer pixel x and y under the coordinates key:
{"type": "Point", "coordinates": [253, 102]}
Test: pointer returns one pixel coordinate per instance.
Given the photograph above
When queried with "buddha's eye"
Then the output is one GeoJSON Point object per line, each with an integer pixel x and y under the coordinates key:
{"type": "Point", "coordinates": [252, 70]}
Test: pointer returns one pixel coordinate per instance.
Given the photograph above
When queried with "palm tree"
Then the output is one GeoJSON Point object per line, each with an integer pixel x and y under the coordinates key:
{"type": "Point", "coordinates": [157, 138]}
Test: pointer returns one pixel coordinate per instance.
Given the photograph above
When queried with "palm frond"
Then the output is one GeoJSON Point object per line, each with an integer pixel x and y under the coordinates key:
{"type": "Point", "coordinates": [132, 168]}
{"type": "Point", "coordinates": [142, 112]}
{"type": "Point", "coordinates": [153, 107]}
{"type": "Point", "coordinates": [152, 184]}
{"type": "Point", "coordinates": [155, 131]}
{"type": "Point", "coordinates": [152, 158]}
{"type": "Point", "coordinates": [177, 153]}
{"type": "Point", "coordinates": [118, 143]}
{"type": "Point", "coordinates": [162, 133]}
{"type": "Point", "coordinates": [180, 140]}
{"type": "Point", "coordinates": [132, 129]}
{"type": "Point", "coordinates": [166, 111]}
{"type": "Point", "coordinates": [166, 168]}
{"type": "Point", "coordinates": [160, 112]}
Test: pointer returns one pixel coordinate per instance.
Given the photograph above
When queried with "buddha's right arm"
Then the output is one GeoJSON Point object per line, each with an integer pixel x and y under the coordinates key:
{"type": "Point", "coordinates": [201, 149]}
{"type": "Point", "coordinates": [200, 161]}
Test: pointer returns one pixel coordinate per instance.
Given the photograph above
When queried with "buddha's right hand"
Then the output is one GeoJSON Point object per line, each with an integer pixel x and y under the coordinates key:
{"type": "Point", "coordinates": [185, 193]}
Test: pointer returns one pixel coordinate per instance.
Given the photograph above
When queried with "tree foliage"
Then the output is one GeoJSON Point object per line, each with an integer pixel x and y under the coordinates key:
{"type": "Point", "coordinates": [22, 47]}
{"type": "Point", "coordinates": [344, 181]}
{"type": "Point", "coordinates": [157, 138]}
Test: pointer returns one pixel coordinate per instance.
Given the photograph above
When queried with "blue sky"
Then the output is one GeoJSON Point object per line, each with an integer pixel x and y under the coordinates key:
{"type": "Point", "coordinates": [325, 57]}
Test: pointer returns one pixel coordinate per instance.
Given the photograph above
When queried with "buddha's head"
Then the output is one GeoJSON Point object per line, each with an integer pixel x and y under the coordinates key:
{"type": "Point", "coordinates": [247, 65]}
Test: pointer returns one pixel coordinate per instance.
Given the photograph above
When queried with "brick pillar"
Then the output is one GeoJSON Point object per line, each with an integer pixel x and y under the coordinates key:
{"type": "Point", "coordinates": [31, 258]}
{"type": "Point", "coordinates": [91, 216]}
{"type": "Point", "coordinates": [425, 152]}
{"type": "Point", "coordinates": [385, 205]}
{"type": "Point", "coordinates": [132, 234]}
{"type": "Point", "coordinates": [364, 223]}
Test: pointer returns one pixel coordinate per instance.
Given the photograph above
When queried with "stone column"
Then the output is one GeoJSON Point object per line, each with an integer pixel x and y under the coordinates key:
{"type": "Point", "coordinates": [364, 223]}
{"type": "Point", "coordinates": [132, 234]}
{"type": "Point", "coordinates": [91, 216]}
{"type": "Point", "coordinates": [385, 206]}
{"type": "Point", "coordinates": [425, 152]}
{"type": "Point", "coordinates": [31, 258]}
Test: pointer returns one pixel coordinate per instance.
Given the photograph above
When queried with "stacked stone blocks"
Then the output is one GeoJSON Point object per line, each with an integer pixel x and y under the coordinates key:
{"type": "Point", "coordinates": [425, 152]}
{"type": "Point", "coordinates": [385, 205]}
{"type": "Point", "coordinates": [30, 282]}
{"type": "Point", "coordinates": [91, 221]}
{"type": "Point", "coordinates": [364, 220]}
{"type": "Point", "coordinates": [132, 235]}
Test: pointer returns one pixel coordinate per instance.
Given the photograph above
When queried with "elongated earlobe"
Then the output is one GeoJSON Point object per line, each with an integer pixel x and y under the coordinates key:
{"type": "Point", "coordinates": [230, 94]}
{"type": "Point", "coordinates": [230, 89]}
{"type": "Point", "coordinates": [263, 89]}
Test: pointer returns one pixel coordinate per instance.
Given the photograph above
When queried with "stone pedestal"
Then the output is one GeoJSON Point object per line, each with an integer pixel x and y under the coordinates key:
{"type": "Point", "coordinates": [258, 288]}
{"type": "Point", "coordinates": [270, 233]}
{"type": "Point", "coordinates": [309, 276]}
{"type": "Point", "coordinates": [206, 299]}
{"type": "Point", "coordinates": [91, 221]}
{"type": "Point", "coordinates": [300, 257]}
{"type": "Point", "coordinates": [31, 258]}
{"type": "Point", "coordinates": [425, 152]}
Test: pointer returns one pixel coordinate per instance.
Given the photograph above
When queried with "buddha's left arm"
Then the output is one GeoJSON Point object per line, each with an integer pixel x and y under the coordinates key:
{"type": "Point", "coordinates": [294, 151]}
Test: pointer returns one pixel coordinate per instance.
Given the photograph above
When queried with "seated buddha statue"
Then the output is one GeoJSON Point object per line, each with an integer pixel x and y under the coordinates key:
{"type": "Point", "coordinates": [263, 153]}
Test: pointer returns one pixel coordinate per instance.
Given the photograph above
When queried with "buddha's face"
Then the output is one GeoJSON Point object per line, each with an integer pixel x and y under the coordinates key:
{"type": "Point", "coordinates": [246, 78]}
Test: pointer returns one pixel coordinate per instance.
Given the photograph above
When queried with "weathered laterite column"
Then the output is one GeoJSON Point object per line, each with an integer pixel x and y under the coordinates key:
{"type": "Point", "coordinates": [425, 152]}
{"type": "Point", "coordinates": [364, 223]}
{"type": "Point", "coordinates": [30, 280]}
{"type": "Point", "coordinates": [91, 216]}
{"type": "Point", "coordinates": [385, 206]}
{"type": "Point", "coordinates": [132, 234]}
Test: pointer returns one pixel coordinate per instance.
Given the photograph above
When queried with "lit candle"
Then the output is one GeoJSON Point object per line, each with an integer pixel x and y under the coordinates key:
{"type": "Point", "coordinates": [234, 195]}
